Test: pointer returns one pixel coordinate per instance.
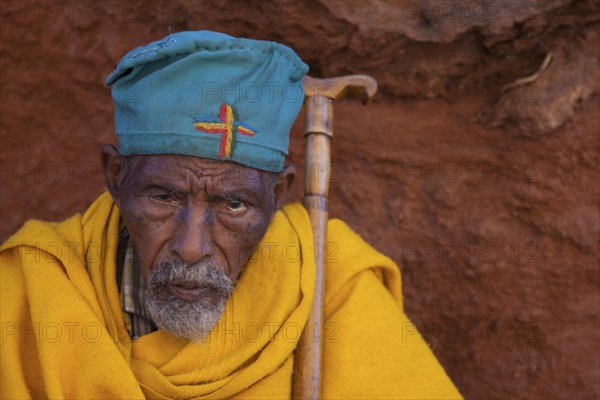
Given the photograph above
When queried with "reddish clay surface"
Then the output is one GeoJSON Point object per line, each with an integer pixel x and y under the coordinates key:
{"type": "Point", "coordinates": [485, 193]}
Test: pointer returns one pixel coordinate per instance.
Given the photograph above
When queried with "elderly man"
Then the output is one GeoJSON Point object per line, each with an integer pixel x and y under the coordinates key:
{"type": "Point", "coordinates": [189, 278]}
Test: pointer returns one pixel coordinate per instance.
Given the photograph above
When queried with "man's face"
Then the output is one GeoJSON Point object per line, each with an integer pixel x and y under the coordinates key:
{"type": "Point", "coordinates": [194, 223]}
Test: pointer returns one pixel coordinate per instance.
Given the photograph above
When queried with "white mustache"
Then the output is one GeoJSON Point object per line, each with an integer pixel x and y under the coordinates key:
{"type": "Point", "coordinates": [204, 273]}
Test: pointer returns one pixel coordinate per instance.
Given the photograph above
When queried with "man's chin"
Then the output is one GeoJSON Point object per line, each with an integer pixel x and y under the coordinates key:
{"type": "Point", "coordinates": [188, 320]}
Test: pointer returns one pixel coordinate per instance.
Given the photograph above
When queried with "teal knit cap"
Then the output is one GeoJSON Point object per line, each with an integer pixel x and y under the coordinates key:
{"type": "Point", "coordinates": [210, 95]}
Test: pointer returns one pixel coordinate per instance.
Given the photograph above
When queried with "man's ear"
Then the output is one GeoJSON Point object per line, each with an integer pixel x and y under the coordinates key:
{"type": "Point", "coordinates": [113, 167]}
{"type": "Point", "coordinates": [283, 183]}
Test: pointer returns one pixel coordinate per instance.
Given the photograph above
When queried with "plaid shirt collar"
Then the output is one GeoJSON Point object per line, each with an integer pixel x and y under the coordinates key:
{"type": "Point", "coordinates": [132, 289]}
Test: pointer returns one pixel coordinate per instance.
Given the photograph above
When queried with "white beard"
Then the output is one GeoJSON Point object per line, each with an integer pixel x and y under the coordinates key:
{"type": "Point", "coordinates": [189, 320]}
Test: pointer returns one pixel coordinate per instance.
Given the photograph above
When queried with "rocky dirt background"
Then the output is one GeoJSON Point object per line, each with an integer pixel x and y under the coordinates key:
{"type": "Point", "coordinates": [475, 168]}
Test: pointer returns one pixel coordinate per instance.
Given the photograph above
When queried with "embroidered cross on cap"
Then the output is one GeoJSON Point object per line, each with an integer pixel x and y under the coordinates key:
{"type": "Point", "coordinates": [224, 125]}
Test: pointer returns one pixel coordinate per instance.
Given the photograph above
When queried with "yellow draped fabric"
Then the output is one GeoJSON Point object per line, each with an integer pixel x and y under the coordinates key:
{"type": "Point", "coordinates": [63, 333]}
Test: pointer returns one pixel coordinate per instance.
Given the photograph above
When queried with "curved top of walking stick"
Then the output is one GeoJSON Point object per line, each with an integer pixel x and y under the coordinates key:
{"type": "Point", "coordinates": [362, 87]}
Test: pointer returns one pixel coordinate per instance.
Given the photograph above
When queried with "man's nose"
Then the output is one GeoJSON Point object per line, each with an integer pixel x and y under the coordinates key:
{"type": "Point", "coordinates": [193, 237]}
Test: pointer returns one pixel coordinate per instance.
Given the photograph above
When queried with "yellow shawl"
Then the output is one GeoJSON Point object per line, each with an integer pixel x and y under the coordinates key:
{"type": "Point", "coordinates": [63, 333]}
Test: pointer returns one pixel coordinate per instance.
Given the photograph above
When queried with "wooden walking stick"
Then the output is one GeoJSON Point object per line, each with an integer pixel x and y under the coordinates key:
{"type": "Point", "coordinates": [320, 95]}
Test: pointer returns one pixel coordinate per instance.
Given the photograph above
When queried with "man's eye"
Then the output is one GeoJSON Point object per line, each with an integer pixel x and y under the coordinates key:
{"type": "Point", "coordinates": [235, 205]}
{"type": "Point", "coordinates": [165, 197]}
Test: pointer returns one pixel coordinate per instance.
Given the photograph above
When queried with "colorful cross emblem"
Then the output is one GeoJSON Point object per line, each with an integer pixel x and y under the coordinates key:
{"type": "Point", "coordinates": [224, 125]}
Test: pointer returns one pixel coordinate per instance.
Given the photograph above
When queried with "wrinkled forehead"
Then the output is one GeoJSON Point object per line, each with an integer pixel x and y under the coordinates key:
{"type": "Point", "coordinates": [190, 171]}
